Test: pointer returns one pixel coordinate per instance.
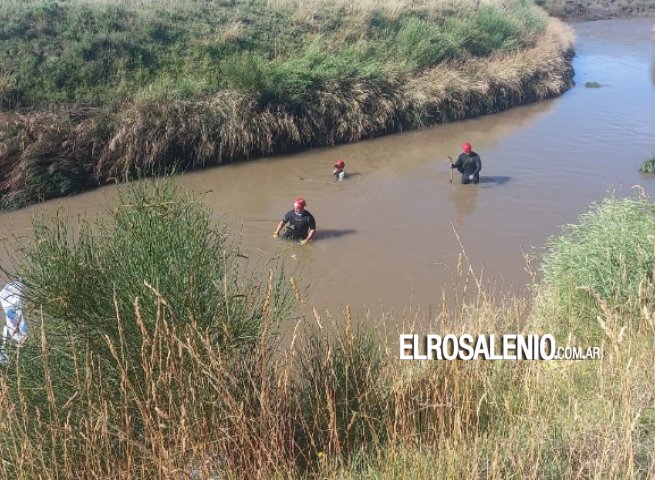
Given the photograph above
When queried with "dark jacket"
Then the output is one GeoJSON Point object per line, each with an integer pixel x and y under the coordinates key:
{"type": "Point", "coordinates": [468, 164]}
{"type": "Point", "coordinates": [298, 224]}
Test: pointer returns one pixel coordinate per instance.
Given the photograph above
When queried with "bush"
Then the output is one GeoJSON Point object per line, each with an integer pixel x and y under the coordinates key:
{"type": "Point", "coordinates": [422, 44]}
{"type": "Point", "coordinates": [605, 257]}
{"type": "Point", "coordinates": [648, 166]}
{"type": "Point", "coordinates": [105, 286]}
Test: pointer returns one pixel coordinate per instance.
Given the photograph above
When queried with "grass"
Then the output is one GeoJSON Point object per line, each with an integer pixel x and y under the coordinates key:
{"type": "Point", "coordinates": [606, 259]}
{"type": "Point", "coordinates": [96, 52]}
{"type": "Point", "coordinates": [648, 165]}
{"type": "Point", "coordinates": [330, 401]}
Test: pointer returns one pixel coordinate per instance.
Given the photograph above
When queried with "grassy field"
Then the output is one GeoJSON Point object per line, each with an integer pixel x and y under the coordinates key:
{"type": "Point", "coordinates": [93, 91]}
{"type": "Point", "coordinates": [95, 53]}
{"type": "Point", "coordinates": [208, 374]}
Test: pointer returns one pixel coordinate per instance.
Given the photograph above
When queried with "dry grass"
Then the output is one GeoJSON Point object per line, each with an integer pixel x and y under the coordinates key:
{"type": "Point", "coordinates": [336, 403]}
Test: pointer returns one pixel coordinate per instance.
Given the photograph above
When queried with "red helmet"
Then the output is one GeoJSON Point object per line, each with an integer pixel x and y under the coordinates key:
{"type": "Point", "coordinates": [340, 164]}
{"type": "Point", "coordinates": [466, 147]}
{"type": "Point", "coordinates": [299, 203]}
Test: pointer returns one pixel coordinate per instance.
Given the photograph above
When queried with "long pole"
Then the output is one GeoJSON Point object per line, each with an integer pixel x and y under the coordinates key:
{"type": "Point", "coordinates": [451, 168]}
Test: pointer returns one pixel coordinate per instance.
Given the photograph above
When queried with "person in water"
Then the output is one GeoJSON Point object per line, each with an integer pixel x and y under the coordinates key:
{"type": "Point", "coordinates": [339, 170]}
{"type": "Point", "coordinates": [300, 224]}
{"type": "Point", "coordinates": [468, 164]}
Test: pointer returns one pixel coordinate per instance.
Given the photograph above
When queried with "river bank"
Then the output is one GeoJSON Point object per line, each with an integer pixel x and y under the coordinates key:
{"type": "Point", "coordinates": [274, 108]}
{"type": "Point", "coordinates": [578, 10]}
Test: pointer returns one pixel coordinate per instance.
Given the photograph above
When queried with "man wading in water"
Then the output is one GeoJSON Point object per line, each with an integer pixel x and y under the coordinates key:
{"type": "Point", "coordinates": [301, 224]}
{"type": "Point", "coordinates": [468, 164]}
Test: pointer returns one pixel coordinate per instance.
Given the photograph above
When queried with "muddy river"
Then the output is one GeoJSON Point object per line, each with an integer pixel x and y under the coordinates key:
{"type": "Point", "coordinates": [386, 235]}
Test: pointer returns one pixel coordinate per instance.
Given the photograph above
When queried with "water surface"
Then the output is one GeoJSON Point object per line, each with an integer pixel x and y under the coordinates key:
{"type": "Point", "coordinates": [386, 235]}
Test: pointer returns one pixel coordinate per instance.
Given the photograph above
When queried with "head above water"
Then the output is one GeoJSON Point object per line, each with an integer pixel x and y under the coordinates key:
{"type": "Point", "coordinates": [340, 164]}
{"type": "Point", "coordinates": [299, 204]}
{"type": "Point", "coordinates": [466, 147]}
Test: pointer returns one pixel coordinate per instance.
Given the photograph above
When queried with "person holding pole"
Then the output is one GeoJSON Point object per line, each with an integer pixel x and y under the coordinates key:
{"type": "Point", "coordinates": [468, 164]}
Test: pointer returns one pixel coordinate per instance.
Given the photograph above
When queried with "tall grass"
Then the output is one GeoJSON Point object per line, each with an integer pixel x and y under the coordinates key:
{"type": "Point", "coordinates": [331, 401]}
{"type": "Point", "coordinates": [605, 259]}
{"type": "Point", "coordinates": [95, 90]}
{"type": "Point", "coordinates": [153, 267]}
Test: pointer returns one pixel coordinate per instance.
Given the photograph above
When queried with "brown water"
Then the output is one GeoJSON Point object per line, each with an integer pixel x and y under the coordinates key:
{"type": "Point", "coordinates": [385, 235]}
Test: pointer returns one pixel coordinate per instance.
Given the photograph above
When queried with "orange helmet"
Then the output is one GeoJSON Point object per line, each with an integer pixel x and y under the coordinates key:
{"type": "Point", "coordinates": [340, 164]}
{"type": "Point", "coordinates": [299, 203]}
{"type": "Point", "coordinates": [466, 147]}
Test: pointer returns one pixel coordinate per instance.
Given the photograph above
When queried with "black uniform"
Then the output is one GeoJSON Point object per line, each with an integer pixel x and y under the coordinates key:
{"type": "Point", "coordinates": [467, 165]}
{"type": "Point", "coordinates": [298, 224]}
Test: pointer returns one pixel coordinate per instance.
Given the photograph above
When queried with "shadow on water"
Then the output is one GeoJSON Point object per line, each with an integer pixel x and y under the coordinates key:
{"type": "Point", "coordinates": [494, 180]}
{"type": "Point", "coordinates": [323, 234]}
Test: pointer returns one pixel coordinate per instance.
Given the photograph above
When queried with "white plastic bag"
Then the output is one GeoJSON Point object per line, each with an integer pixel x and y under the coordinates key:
{"type": "Point", "coordinates": [12, 304]}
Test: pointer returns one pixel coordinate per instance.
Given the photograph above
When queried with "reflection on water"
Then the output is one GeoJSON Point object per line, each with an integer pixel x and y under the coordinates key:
{"type": "Point", "coordinates": [384, 234]}
{"type": "Point", "coordinates": [464, 198]}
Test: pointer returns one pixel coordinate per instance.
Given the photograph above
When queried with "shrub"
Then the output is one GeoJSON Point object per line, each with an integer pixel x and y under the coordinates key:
{"type": "Point", "coordinates": [108, 283]}
{"type": "Point", "coordinates": [648, 166]}
{"type": "Point", "coordinates": [422, 44]}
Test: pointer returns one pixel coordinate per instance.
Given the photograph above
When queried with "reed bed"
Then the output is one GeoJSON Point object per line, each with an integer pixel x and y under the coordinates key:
{"type": "Point", "coordinates": [307, 394]}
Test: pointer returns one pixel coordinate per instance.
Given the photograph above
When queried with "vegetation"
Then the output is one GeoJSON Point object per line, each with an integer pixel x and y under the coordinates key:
{"type": "Point", "coordinates": [331, 400]}
{"type": "Point", "coordinates": [607, 259]}
{"type": "Point", "coordinates": [112, 90]}
{"type": "Point", "coordinates": [597, 9]}
{"type": "Point", "coordinates": [105, 291]}
{"type": "Point", "coordinates": [648, 165]}
{"type": "Point", "coordinates": [95, 53]}
{"type": "Point", "coordinates": [592, 85]}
